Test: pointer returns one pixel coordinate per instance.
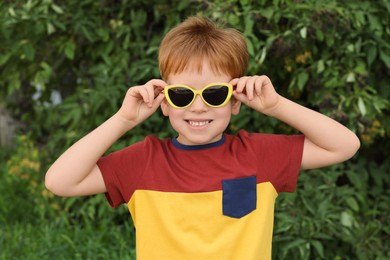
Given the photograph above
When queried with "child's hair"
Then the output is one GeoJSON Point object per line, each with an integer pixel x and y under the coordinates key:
{"type": "Point", "coordinates": [197, 39]}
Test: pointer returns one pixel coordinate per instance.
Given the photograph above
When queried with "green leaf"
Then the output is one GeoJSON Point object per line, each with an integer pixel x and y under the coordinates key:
{"type": "Point", "coordinates": [29, 51]}
{"type": "Point", "coordinates": [359, 18]}
{"type": "Point", "coordinates": [69, 49]}
{"type": "Point", "coordinates": [352, 203]}
{"type": "Point", "coordinates": [15, 83]}
{"type": "Point", "coordinates": [248, 25]}
{"type": "Point", "coordinates": [318, 247]}
{"type": "Point", "coordinates": [11, 12]}
{"type": "Point", "coordinates": [375, 24]}
{"type": "Point", "coordinates": [233, 19]}
{"type": "Point", "coordinates": [182, 5]}
{"type": "Point", "coordinates": [295, 243]}
{"type": "Point", "coordinates": [362, 106]}
{"type": "Point", "coordinates": [320, 66]}
{"type": "Point", "coordinates": [346, 219]}
{"type": "Point", "coordinates": [4, 58]}
{"type": "Point", "coordinates": [57, 9]}
{"type": "Point", "coordinates": [303, 77]}
{"type": "Point", "coordinates": [28, 5]}
{"type": "Point", "coordinates": [350, 77]}
{"type": "Point", "coordinates": [263, 55]}
{"type": "Point", "coordinates": [50, 28]}
{"type": "Point", "coordinates": [268, 13]}
{"type": "Point", "coordinates": [351, 47]}
{"type": "Point", "coordinates": [372, 53]}
{"type": "Point", "coordinates": [385, 58]}
{"type": "Point", "coordinates": [249, 44]}
{"type": "Point", "coordinates": [320, 35]}
{"type": "Point", "coordinates": [303, 32]}
{"type": "Point", "coordinates": [104, 34]}
{"type": "Point", "coordinates": [330, 40]}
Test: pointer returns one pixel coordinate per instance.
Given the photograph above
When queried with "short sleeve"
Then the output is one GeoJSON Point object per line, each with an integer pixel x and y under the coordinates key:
{"type": "Point", "coordinates": [280, 157]}
{"type": "Point", "coordinates": [121, 171]}
{"type": "Point", "coordinates": [108, 169]}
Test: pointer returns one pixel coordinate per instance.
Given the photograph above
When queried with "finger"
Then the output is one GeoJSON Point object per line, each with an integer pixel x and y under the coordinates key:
{"type": "Point", "coordinates": [157, 84]}
{"type": "Point", "coordinates": [154, 88]}
{"type": "Point", "coordinates": [233, 82]}
{"type": "Point", "coordinates": [263, 82]}
{"type": "Point", "coordinates": [150, 95]}
{"type": "Point", "coordinates": [241, 84]}
{"type": "Point", "coordinates": [144, 94]}
{"type": "Point", "coordinates": [267, 82]}
{"type": "Point", "coordinates": [241, 97]}
{"type": "Point", "coordinates": [259, 85]}
{"type": "Point", "coordinates": [158, 100]}
{"type": "Point", "coordinates": [250, 87]}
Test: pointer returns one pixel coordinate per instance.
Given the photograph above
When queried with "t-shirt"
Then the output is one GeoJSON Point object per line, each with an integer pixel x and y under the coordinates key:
{"type": "Point", "coordinates": [213, 201]}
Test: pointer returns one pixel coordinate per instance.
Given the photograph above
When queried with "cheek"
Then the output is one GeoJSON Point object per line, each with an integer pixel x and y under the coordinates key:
{"type": "Point", "coordinates": [175, 116]}
{"type": "Point", "coordinates": [224, 114]}
{"type": "Point", "coordinates": [176, 120]}
{"type": "Point", "coordinates": [225, 111]}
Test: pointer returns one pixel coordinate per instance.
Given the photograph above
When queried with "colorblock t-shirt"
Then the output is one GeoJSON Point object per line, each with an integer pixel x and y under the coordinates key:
{"type": "Point", "coordinates": [213, 201]}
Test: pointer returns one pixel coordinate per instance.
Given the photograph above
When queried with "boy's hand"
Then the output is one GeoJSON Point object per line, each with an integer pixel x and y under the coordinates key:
{"type": "Point", "coordinates": [256, 92]}
{"type": "Point", "coordinates": [141, 102]}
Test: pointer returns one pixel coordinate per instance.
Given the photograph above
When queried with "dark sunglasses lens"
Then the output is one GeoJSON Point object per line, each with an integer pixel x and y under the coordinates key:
{"type": "Point", "coordinates": [181, 97]}
{"type": "Point", "coordinates": [215, 95]}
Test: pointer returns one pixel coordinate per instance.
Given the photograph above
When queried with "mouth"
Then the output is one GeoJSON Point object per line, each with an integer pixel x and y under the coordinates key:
{"type": "Point", "coordinates": [198, 123]}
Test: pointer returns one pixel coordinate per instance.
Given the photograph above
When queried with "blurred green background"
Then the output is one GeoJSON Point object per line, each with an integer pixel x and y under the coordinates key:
{"type": "Point", "coordinates": [65, 67]}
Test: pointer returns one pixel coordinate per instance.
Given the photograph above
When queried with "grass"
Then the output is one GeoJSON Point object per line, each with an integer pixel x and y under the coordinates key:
{"type": "Point", "coordinates": [58, 240]}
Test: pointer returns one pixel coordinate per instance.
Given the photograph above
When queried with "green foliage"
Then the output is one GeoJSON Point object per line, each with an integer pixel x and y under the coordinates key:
{"type": "Point", "coordinates": [21, 171]}
{"type": "Point", "coordinates": [332, 56]}
{"type": "Point", "coordinates": [334, 214]}
{"type": "Point", "coordinates": [37, 225]}
{"type": "Point", "coordinates": [49, 240]}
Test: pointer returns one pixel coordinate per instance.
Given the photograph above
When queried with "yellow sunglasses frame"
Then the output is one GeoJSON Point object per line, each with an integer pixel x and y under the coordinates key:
{"type": "Point", "coordinates": [199, 92]}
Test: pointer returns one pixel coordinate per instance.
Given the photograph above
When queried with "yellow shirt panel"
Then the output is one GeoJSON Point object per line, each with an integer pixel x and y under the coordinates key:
{"type": "Point", "coordinates": [175, 225]}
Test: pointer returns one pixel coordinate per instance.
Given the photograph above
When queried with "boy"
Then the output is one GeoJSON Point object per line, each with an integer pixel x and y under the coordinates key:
{"type": "Point", "coordinates": [203, 194]}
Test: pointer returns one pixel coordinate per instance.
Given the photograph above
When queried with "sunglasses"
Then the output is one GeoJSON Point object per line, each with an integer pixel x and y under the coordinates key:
{"type": "Point", "coordinates": [214, 95]}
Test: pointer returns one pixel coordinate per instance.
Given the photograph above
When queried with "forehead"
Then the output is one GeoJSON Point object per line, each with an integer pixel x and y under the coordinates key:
{"type": "Point", "coordinates": [198, 77]}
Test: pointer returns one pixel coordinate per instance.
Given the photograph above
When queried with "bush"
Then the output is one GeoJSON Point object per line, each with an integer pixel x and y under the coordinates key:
{"type": "Point", "coordinates": [334, 215]}
{"type": "Point", "coordinates": [37, 225]}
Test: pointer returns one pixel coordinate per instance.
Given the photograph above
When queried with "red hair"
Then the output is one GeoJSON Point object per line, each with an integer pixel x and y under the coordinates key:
{"type": "Point", "coordinates": [196, 39]}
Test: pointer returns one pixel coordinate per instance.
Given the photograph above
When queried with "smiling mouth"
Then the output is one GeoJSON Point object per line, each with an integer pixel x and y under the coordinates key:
{"type": "Point", "coordinates": [198, 123]}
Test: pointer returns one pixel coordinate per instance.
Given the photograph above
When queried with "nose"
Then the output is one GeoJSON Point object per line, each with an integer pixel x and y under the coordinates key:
{"type": "Point", "coordinates": [198, 105]}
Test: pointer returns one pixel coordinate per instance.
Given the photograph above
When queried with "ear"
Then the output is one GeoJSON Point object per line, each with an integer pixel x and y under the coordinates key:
{"type": "Point", "coordinates": [235, 106]}
{"type": "Point", "coordinates": [165, 107]}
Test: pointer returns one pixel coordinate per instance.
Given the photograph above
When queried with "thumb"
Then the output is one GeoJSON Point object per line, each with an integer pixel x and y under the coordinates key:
{"type": "Point", "coordinates": [158, 100]}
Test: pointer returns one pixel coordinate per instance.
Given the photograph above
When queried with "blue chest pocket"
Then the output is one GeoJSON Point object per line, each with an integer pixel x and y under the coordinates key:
{"type": "Point", "coordinates": [239, 196]}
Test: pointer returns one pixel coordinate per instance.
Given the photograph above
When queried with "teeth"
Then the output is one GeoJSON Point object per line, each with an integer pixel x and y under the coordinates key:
{"type": "Point", "coordinates": [198, 123]}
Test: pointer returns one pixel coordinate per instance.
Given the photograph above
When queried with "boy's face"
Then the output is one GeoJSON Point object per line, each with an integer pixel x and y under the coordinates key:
{"type": "Point", "coordinates": [199, 123]}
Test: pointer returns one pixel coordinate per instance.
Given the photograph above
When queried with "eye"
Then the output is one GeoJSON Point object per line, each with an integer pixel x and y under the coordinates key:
{"type": "Point", "coordinates": [180, 96]}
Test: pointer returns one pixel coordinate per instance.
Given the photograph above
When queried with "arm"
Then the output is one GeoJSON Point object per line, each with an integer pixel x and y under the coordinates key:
{"type": "Point", "coordinates": [75, 172]}
{"type": "Point", "coordinates": [327, 142]}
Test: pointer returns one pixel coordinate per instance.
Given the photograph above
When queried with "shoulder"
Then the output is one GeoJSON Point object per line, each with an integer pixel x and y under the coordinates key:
{"type": "Point", "coordinates": [149, 142]}
{"type": "Point", "coordinates": [246, 137]}
{"type": "Point", "coordinates": [266, 144]}
{"type": "Point", "coordinates": [139, 149]}
{"type": "Point", "coordinates": [265, 138]}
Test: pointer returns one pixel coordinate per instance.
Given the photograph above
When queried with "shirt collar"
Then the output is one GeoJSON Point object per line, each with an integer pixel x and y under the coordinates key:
{"type": "Point", "coordinates": [197, 147]}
